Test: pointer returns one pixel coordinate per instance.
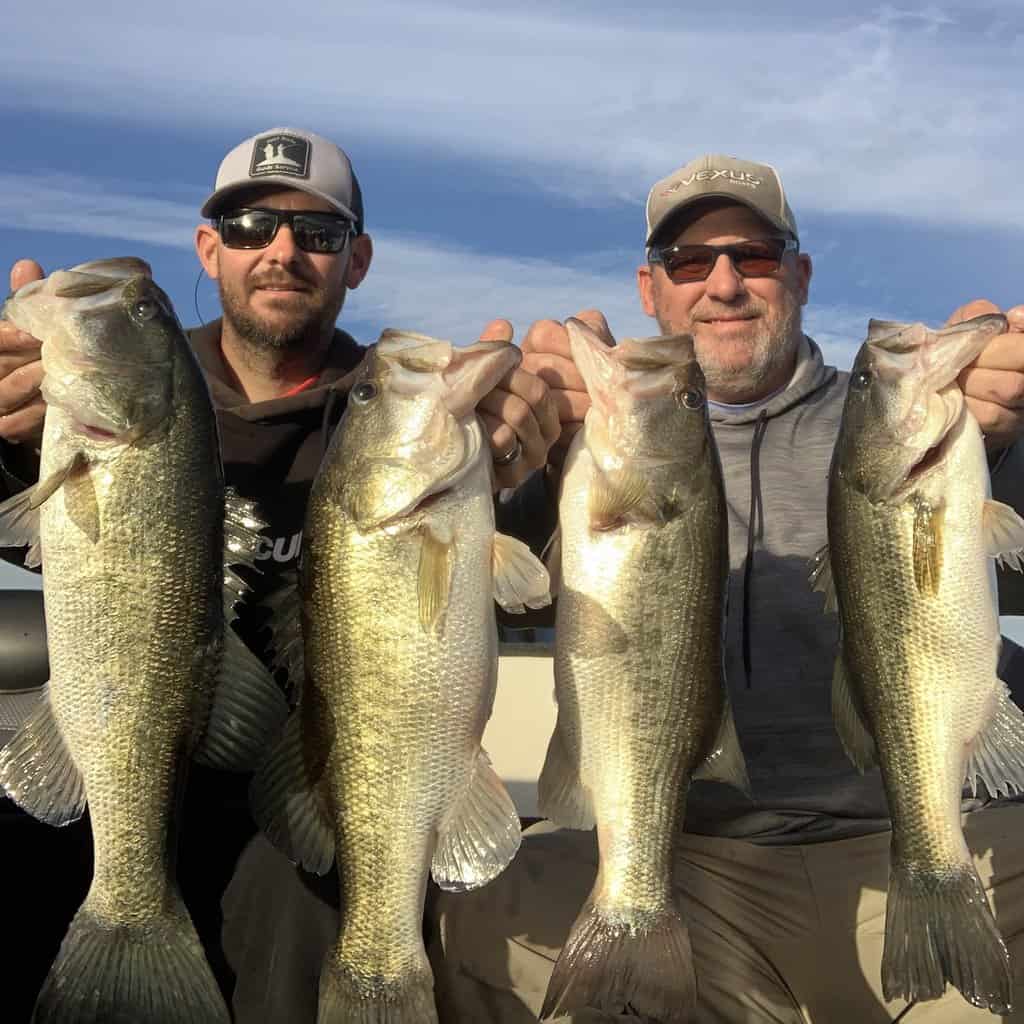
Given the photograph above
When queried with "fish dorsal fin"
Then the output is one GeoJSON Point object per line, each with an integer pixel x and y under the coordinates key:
{"type": "Point", "coordinates": [520, 579]}
{"type": "Point", "coordinates": [434, 577]}
{"type": "Point", "coordinates": [726, 763]}
{"type": "Point", "coordinates": [481, 834]}
{"type": "Point", "coordinates": [997, 755]}
{"type": "Point", "coordinates": [1004, 534]}
{"type": "Point", "coordinates": [620, 496]}
{"type": "Point", "coordinates": [928, 524]}
{"type": "Point", "coordinates": [822, 580]}
{"type": "Point", "coordinates": [561, 795]}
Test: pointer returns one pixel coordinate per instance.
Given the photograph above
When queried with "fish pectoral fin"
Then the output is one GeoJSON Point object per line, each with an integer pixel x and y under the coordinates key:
{"type": "Point", "coordinates": [620, 497]}
{"type": "Point", "coordinates": [848, 716]}
{"type": "Point", "coordinates": [561, 795]}
{"type": "Point", "coordinates": [247, 712]}
{"type": "Point", "coordinates": [726, 763]}
{"type": "Point", "coordinates": [928, 524]}
{"type": "Point", "coordinates": [997, 755]}
{"type": "Point", "coordinates": [520, 579]}
{"type": "Point", "coordinates": [37, 771]}
{"type": "Point", "coordinates": [481, 834]}
{"type": "Point", "coordinates": [551, 556]}
{"type": "Point", "coordinates": [821, 578]}
{"type": "Point", "coordinates": [46, 489]}
{"type": "Point", "coordinates": [1004, 534]}
{"type": "Point", "coordinates": [286, 803]}
{"type": "Point", "coordinates": [19, 526]}
{"type": "Point", "coordinates": [435, 578]}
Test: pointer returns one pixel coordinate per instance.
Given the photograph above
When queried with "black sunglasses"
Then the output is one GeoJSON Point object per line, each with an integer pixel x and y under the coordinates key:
{"type": "Point", "coordinates": [256, 228]}
{"type": "Point", "coordinates": [758, 258]}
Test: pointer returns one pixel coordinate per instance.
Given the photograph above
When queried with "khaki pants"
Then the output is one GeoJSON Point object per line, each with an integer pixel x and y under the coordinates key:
{"type": "Point", "coordinates": [786, 934]}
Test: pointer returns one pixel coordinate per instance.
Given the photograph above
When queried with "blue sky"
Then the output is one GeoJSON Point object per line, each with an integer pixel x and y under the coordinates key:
{"type": "Point", "coordinates": [505, 154]}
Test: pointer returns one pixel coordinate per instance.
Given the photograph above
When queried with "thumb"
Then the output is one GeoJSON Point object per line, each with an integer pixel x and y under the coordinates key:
{"type": "Point", "coordinates": [979, 307]}
{"type": "Point", "coordinates": [595, 318]}
{"type": "Point", "coordinates": [497, 330]}
{"type": "Point", "coordinates": [24, 272]}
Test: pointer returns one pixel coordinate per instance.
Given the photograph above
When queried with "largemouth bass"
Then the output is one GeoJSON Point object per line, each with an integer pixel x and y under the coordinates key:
{"type": "Point", "coordinates": [912, 535]}
{"type": "Point", "coordinates": [382, 764]}
{"type": "Point", "coordinates": [642, 703]}
{"type": "Point", "coordinates": [129, 522]}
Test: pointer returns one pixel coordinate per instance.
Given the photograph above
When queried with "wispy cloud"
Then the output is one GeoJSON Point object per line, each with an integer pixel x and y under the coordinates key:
{"type": "Point", "coordinates": [904, 110]}
{"type": "Point", "coordinates": [434, 286]}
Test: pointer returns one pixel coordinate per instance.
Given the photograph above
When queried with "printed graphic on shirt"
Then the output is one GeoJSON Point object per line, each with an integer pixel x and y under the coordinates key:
{"type": "Point", "coordinates": [280, 549]}
{"type": "Point", "coordinates": [280, 154]}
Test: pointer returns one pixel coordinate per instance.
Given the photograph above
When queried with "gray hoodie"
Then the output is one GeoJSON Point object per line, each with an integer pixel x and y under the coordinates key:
{"type": "Point", "coordinates": [780, 645]}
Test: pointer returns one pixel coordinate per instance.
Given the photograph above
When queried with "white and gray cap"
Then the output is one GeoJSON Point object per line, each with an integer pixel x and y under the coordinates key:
{"type": "Point", "coordinates": [292, 158]}
{"type": "Point", "coordinates": [715, 176]}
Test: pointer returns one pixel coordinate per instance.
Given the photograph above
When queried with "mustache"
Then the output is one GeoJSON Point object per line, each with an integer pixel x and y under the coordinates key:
{"type": "Point", "coordinates": [699, 314]}
{"type": "Point", "coordinates": [279, 280]}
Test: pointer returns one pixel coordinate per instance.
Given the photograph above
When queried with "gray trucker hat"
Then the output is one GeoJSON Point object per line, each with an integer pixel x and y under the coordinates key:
{"type": "Point", "coordinates": [291, 158]}
{"type": "Point", "coordinates": [714, 176]}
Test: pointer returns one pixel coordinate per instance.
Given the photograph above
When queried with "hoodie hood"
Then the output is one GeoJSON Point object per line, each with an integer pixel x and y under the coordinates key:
{"type": "Point", "coordinates": [337, 374]}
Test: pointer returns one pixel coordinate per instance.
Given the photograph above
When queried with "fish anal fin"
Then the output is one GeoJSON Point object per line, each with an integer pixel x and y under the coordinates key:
{"type": "Point", "coordinates": [849, 721]}
{"type": "Point", "coordinates": [821, 578]}
{"type": "Point", "coordinates": [287, 804]}
{"type": "Point", "coordinates": [247, 713]}
{"type": "Point", "coordinates": [561, 795]}
{"type": "Point", "coordinates": [520, 578]}
{"type": "Point", "coordinates": [481, 834]}
{"type": "Point", "coordinates": [1004, 534]}
{"type": "Point", "coordinates": [928, 524]}
{"type": "Point", "coordinates": [726, 763]}
{"type": "Point", "coordinates": [37, 771]}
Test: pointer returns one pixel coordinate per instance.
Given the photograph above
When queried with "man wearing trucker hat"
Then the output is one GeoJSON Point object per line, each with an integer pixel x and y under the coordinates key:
{"type": "Point", "coordinates": [285, 241]}
{"type": "Point", "coordinates": [784, 891]}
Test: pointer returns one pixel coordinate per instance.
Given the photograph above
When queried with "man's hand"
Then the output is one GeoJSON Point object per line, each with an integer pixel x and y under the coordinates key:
{"type": "Point", "coordinates": [21, 406]}
{"type": "Point", "coordinates": [994, 383]}
{"type": "Point", "coordinates": [547, 353]}
{"type": "Point", "coordinates": [520, 417]}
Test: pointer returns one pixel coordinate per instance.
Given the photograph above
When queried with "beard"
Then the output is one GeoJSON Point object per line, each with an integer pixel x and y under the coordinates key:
{"type": "Point", "coordinates": [737, 369]}
{"type": "Point", "coordinates": [306, 318]}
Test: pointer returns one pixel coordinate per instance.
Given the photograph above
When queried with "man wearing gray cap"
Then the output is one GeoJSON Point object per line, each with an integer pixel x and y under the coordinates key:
{"type": "Point", "coordinates": [285, 241]}
{"type": "Point", "coordinates": [783, 892]}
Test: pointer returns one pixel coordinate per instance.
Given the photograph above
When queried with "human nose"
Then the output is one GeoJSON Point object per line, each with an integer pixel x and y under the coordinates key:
{"type": "Point", "coordinates": [282, 248]}
{"type": "Point", "coordinates": [724, 283]}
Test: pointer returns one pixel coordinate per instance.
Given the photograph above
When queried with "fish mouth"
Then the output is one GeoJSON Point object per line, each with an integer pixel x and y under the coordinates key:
{"type": "Point", "coordinates": [933, 456]}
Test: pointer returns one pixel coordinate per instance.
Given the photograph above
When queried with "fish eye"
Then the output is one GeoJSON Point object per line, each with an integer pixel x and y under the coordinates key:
{"type": "Point", "coordinates": [364, 391]}
{"type": "Point", "coordinates": [145, 309]}
{"type": "Point", "coordinates": [861, 379]}
{"type": "Point", "coordinates": [692, 398]}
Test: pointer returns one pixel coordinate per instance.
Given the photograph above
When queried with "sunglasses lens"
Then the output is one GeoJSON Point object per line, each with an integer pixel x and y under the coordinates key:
{"type": "Point", "coordinates": [320, 234]}
{"type": "Point", "coordinates": [757, 259]}
{"type": "Point", "coordinates": [251, 229]}
{"type": "Point", "coordinates": [689, 263]}
{"type": "Point", "coordinates": [685, 263]}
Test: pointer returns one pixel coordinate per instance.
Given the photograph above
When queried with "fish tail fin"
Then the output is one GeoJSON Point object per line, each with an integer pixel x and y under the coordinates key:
{"type": "Point", "coordinates": [409, 1000]}
{"type": "Point", "coordinates": [939, 928]}
{"type": "Point", "coordinates": [113, 973]}
{"type": "Point", "coordinates": [611, 963]}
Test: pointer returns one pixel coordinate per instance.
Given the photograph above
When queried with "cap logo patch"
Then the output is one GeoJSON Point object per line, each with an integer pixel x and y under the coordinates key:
{"type": "Point", "coordinates": [735, 178]}
{"type": "Point", "coordinates": [280, 154]}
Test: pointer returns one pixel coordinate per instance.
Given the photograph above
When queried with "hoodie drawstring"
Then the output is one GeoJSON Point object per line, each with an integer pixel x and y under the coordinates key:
{"type": "Point", "coordinates": [754, 523]}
